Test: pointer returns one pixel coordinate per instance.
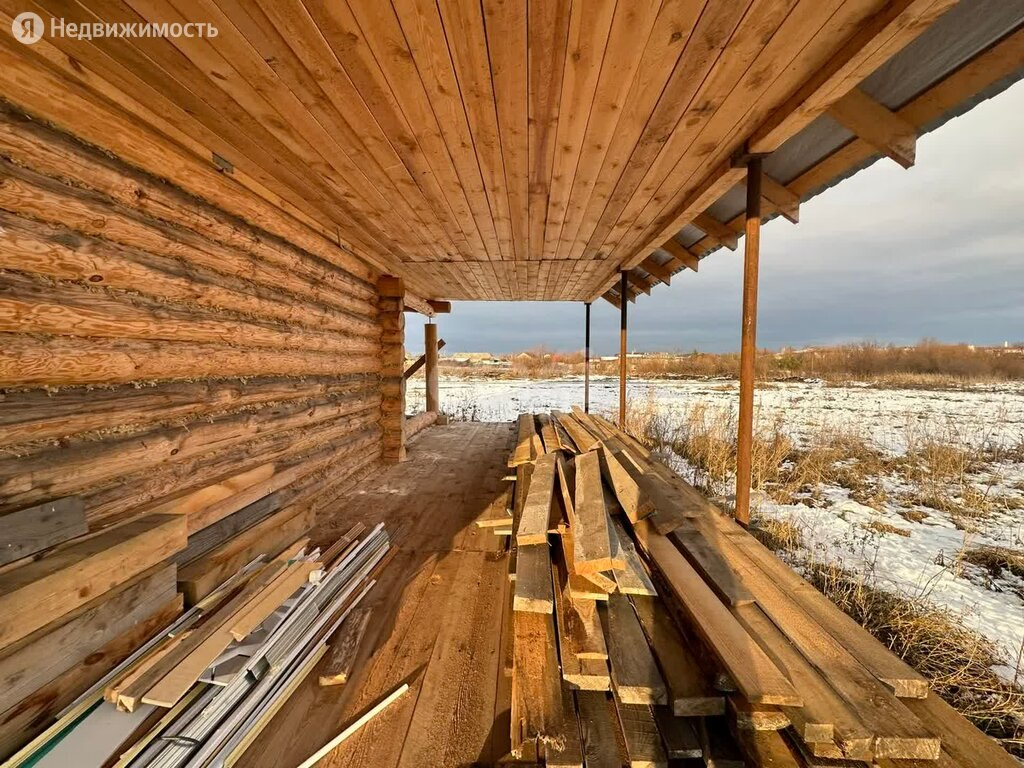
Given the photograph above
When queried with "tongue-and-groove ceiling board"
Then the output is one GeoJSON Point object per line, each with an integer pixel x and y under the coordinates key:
{"type": "Point", "coordinates": [501, 149]}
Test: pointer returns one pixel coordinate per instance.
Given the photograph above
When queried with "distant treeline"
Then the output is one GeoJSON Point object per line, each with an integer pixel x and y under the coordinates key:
{"type": "Point", "coordinates": [927, 361]}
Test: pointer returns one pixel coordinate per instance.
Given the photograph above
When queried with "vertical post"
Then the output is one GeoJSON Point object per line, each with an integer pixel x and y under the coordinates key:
{"type": "Point", "coordinates": [586, 365]}
{"type": "Point", "coordinates": [390, 306]}
{"type": "Point", "coordinates": [748, 340]}
{"type": "Point", "coordinates": [430, 355]}
{"type": "Point", "coordinates": [623, 301]}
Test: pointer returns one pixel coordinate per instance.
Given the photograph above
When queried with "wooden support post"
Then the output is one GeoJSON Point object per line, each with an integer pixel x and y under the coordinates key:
{"type": "Point", "coordinates": [392, 319]}
{"type": "Point", "coordinates": [430, 351]}
{"type": "Point", "coordinates": [586, 363]}
{"type": "Point", "coordinates": [748, 341]}
{"type": "Point", "coordinates": [623, 291]}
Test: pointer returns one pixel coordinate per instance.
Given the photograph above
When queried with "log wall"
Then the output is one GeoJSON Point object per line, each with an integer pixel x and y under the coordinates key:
{"type": "Point", "coordinates": [160, 356]}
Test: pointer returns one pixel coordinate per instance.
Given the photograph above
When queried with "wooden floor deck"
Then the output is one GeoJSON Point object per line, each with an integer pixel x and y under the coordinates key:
{"type": "Point", "coordinates": [436, 623]}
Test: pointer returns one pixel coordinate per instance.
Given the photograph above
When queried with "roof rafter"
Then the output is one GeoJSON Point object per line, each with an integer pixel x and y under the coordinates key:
{"type": "Point", "coordinates": [877, 125]}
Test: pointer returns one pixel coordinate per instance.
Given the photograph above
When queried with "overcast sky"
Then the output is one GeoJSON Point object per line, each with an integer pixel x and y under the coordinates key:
{"type": "Point", "coordinates": [890, 255]}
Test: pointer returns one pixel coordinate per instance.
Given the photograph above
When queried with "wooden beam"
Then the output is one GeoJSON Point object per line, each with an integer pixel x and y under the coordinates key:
{"type": "Point", "coordinates": [414, 303]}
{"type": "Point", "coordinates": [431, 345]}
{"type": "Point", "coordinates": [877, 125]}
{"type": "Point", "coordinates": [420, 362]}
{"type": "Point", "coordinates": [716, 229]}
{"type": "Point", "coordinates": [612, 298]}
{"type": "Point", "coordinates": [681, 253]}
{"type": "Point", "coordinates": [391, 287]}
{"type": "Point", "coordinates": [894, 26]}
{"type": "Point", "coordinates": [661, 272]}
{"type": "Point", "coordinates": [781, 197]}
{"type": "Point", "coordinates": [45, 590]}
{"type": "Point", "coordinates": [639, 282]}
{"type": "Point", "coordinates": [440, 307]}
{"type": "Point", "coordinates": [748, 341]}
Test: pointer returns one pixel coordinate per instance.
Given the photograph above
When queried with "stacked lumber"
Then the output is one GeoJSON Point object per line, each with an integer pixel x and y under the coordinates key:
{"type": "Point", "coordinates": [206, 684]}
{"type": "Point", "coordinates": [665, 630]}
{"type": "Point", "coordinates": [600, 675]}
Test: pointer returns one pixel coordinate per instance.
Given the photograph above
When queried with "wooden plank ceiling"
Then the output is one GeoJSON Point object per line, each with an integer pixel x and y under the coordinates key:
{"type": "Point", "coordinates": [494, 149]}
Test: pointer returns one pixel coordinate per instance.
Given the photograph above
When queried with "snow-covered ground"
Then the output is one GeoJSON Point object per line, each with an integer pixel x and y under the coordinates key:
{"type": "Point", "coordinates": [834, 527]}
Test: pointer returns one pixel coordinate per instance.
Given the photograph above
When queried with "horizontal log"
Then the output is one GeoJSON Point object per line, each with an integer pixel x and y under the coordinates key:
{"type": "Point", "coordinates": [67, 471]}
{"type": "Point", "coordinates": [52, 153]}
{"type": "Point", "coordinates": [142, 490]}
{"type": "Point", "coordinates": [30, 362]}
{"type": "Point", "coordinates": [60, 253]}
{"type": "Point", "coordinates": [31, 195]}
{"type": "Point", "coordinates": [29, 307]}
{"type": "Point", "coordinates": [38, 415]}
{"type": "Point", "coordinates": [416, 424]}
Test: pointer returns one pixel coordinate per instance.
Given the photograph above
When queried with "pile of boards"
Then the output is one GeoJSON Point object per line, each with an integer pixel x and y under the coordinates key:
{"type": "Point", "coordinates": [648, 628]}
{"type": "Point", "coordinates": [198, 689]}
{"type": "Point", "coordinates": [79, 592]}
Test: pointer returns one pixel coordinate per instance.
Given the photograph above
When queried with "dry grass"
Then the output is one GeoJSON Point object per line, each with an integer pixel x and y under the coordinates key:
{"type": "Point", "coordinates": [926, 365]}
{"type": "Point", "coordinates": [777, 535]}
{"type": "Point", "coordinates": [879, 526]}
{"type": "Point", "coordinates": [996, 560]}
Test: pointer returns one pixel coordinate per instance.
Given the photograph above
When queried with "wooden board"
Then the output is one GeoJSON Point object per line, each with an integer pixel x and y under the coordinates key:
{"type": "Point", "coordinates": [679, 734]}
{"type": "Point", "coordinates": [898, 734]}
{"type": "Point", "coordinates": [593, 586]}
{"type": "Point", "coordinates": [592, 537]}
{"type": "Point", "coordinates": [268, 537]}
{"type": "Point", "coordinates": [536, 513]}
{"type": "Point", "coordinates": [640, 732]}
{"type": "Point", "coordinates": [753, 672]}
{"type": "Point", "coordinates": [34, 714]}
{"type": "Point", "coordinates": [635, 673]}
{"type": "Point", "coordinates": [533, 590]}
{"type": "Point", "coordinates": [703, 555]}
{"type": "Point", "coordinates": [42, 591]}
{"type": "Point", "coordinates": [599, 724]}
{"type": "Point", "coordinates": [536, 686]}
{"type": "Point", "coordinates": [690, 695]}
{"type": "Point", "coordinates": [579, 625]}
{"type": "Point", "coordinates": [50, 652]}
{"type": "Point", "coordinates": [344, 646]}
{"type": "Point", "coordinates": [899, 676]}
{"type": "Point", "coordinates": [633, 579]}
{"type": "Point", "coordinates": [32, 530]}
{"type": "Point", "coordinates": [202, 541]}
{"type": "Point", "coordinates": [824, 716]}
{"type": "Point", "coordinates": [622, 476]}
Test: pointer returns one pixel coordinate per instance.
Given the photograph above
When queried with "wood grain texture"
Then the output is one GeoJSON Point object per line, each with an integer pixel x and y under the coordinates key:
{"type": "Point", "coordinates": [42, 591]}
{"type": "Point", "coordinates": [34, 529]}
